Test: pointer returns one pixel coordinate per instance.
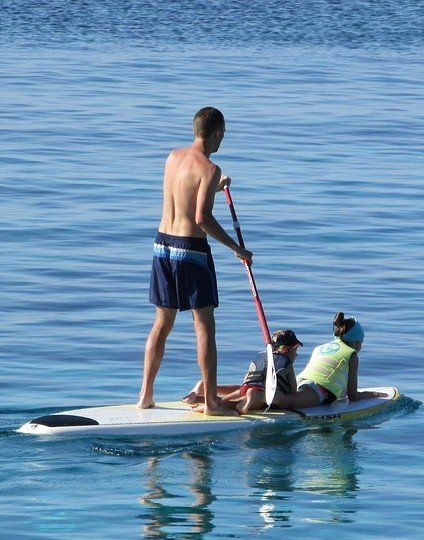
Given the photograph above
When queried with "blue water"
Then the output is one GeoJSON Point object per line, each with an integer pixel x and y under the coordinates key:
{"type": "Point", "coordinates": [323, 102]}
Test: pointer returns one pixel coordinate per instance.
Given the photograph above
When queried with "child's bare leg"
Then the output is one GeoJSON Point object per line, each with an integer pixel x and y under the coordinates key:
{"type": "Point", "coordinates": [305, 397]}
{"type": "Point", "coordinates": [196, 393]}
{"type": "Point", "coordinates": [253, 401]}
{"type": "Point", "coordinates": [232, 395]}
{"type": "Point", "coordinates": [225, 390]}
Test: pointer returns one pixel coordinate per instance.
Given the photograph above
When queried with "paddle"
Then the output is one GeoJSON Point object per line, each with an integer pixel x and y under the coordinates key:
{"type": "Point", "coordinates": [271, 376]}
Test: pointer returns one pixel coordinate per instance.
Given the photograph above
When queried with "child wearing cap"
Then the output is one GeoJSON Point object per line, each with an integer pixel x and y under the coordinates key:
{"type": "Point", "coordinates": [332, 371]}
{"type": "Point", "coordinates": [251, 394]}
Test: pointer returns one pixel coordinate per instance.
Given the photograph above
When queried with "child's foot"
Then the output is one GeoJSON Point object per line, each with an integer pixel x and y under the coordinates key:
{"type": "Point", "coordinates": [191, 398]}
{"type": "Point", "coordinates": [243, 406]}
{"type": "Point", "coordinates": [253, 401]}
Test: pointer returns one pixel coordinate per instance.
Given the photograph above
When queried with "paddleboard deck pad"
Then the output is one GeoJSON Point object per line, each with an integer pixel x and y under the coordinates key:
{"type": "Point", "coordinates": [177, 418]}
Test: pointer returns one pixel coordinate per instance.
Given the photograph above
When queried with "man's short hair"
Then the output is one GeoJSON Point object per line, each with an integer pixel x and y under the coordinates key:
{"type": "Point", "coordinates": [207, 121]}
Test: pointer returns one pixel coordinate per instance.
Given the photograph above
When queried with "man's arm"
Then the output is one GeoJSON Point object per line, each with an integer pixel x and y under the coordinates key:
{"type": "Point", "coordinates": [205, 219]}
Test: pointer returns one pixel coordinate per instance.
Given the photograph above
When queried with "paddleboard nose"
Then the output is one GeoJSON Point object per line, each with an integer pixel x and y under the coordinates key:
{"type": "Point", "coordinates": [33, 429]}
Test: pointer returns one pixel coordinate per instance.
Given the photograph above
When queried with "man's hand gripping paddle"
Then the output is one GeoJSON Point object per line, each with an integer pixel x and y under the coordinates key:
{"type": "Point", "coordinates": [271, 376]}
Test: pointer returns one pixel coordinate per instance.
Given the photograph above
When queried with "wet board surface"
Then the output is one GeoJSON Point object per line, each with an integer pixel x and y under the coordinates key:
{"type": "Point", "coordinates": [176, 418]}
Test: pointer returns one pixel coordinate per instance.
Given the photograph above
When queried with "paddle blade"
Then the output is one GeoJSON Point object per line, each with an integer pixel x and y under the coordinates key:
{"type": "Point", "coordinates": [271, 376]}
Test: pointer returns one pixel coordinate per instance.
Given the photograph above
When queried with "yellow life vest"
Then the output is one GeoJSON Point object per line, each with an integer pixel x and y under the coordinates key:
{"type": "Point", "coordinates": [329, 367]}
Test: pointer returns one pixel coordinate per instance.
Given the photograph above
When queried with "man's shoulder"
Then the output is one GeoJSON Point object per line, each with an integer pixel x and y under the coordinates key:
{"type": "Point", "coordinates": [176, 153]}
{"type": "Point", "coordinates": [189, 157]}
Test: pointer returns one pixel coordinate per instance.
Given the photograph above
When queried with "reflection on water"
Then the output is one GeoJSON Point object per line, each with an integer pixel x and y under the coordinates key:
{"type": "Point", "coordinates": [319, 461]}
{"type": "Point", "coordinates": [195, 515]}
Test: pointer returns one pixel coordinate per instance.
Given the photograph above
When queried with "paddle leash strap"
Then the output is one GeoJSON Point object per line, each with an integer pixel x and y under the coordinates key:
{"type": "Point", "coordinates": [271, 376]}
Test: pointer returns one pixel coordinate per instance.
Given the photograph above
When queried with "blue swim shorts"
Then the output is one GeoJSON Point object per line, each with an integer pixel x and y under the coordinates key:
{"type": "Point", "coordinates": [183, 273]}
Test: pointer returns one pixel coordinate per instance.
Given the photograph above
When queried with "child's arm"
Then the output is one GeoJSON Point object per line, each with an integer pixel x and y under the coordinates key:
{"type": "Point", "coordinates": [352, 384]}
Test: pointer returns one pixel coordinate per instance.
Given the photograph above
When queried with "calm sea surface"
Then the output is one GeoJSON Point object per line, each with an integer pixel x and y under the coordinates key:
{"type": "Point", "coordinates": [323, 102]}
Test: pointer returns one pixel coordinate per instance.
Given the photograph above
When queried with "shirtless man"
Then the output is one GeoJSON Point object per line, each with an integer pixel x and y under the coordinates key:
{"type": "Point", "coordinates": [183, 273]}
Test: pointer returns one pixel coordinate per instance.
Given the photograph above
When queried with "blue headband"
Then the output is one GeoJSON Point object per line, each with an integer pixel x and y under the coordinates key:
{"type": "Point", "coordinates": [356, 333]}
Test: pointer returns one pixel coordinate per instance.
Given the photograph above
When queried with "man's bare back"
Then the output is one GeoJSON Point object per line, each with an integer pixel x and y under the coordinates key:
{"type": "Point", "coordinates": [185, 170]}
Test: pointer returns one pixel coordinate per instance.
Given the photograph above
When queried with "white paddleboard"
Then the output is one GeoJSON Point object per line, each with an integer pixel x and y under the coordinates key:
{"type": "Point", "coordinates": [176, 418]}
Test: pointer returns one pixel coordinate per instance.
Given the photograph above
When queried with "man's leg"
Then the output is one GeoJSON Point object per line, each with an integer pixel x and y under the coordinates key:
{"type": "Point", "coordinates": [204, 324]}
{"type": "Point", "coordinates": [155, 347]}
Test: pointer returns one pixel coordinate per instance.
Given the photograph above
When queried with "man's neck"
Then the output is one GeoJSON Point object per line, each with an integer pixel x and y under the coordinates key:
{"type": "Point", "coordinates": [203, 146]}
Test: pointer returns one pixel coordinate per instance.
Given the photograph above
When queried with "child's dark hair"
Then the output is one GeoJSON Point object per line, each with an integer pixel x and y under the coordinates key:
{"type": "Point", "coordinates": [341, 325]}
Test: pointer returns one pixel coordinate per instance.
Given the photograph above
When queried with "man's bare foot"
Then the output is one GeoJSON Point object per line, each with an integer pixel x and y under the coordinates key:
{"type": "Point", "coordinates": [217, 408]}
{"type": "Point", "coordinates": [144, 403]}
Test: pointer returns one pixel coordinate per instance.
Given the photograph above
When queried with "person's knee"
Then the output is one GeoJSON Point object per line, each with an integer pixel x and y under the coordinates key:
{"type": "Point", "coordinates": [162, 328]}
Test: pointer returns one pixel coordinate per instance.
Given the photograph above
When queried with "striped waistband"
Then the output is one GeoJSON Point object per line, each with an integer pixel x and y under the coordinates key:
{"type": "Point", "coordinates": [181, 248]}
{"type": "Point", "coordinates": [180, 254]}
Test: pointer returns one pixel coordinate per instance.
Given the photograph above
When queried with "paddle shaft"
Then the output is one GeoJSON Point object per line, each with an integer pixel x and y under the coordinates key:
{"type": "Point", "coordinates": [257, 301]}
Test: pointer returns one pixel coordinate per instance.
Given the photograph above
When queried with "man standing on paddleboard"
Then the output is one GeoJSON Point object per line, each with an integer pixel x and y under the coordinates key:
{"type": "Point", "coordinates": [183, 273]}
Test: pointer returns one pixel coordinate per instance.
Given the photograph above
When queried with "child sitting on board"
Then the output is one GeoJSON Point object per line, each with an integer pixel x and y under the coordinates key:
{"type": "Point", "coordinates": [332, 371]}
{"type": "Point", "coordinates": [251, 394]}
